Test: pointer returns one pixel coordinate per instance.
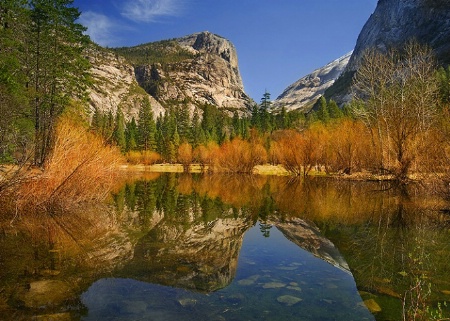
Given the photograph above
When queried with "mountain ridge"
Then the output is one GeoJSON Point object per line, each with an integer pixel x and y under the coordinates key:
{"type": "Point", "coordinates": [392, 24]}
{"type": "Point", "coordinates": [191, 71]}
{"type": "Point", "coordinates": [304, 92]}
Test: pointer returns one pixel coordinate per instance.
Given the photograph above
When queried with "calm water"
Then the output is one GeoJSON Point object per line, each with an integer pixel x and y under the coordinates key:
{"type": "Point", "coordinates": [181, 247]}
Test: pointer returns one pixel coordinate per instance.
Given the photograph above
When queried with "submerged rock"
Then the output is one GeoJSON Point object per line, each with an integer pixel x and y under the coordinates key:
{"type": "Point", "coordinates": [134, 307]}
{"type": "Point", "coordinates": [388, 291]}
{"type": "Point", "coordinates": [372, 305]}
{"type": "Point", "coordinates": [235, 299]}
{"type": "Point", "coordinates": [294, 288]}
{"type": "Point", "coordinates": [288, 300]}
{"type": "Point", "coordinates": [187, 302]}
{"type": "Point", "coordinates": [274, 285]}
{"type": "Point", "coordinates": [249, 281]}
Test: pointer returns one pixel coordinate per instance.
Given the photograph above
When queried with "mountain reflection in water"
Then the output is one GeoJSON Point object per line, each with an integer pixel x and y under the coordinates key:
{"type": "Point", "coordinates": [274, 280]}
{"type": "Point", "coordinates": [231, 248]}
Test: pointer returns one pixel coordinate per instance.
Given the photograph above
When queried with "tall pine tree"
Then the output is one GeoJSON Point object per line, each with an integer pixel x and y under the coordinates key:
{"type": "Point", "coordinates": [57, 69]}
{"type": "Point", "coordinates": [119, 130]}
{"type": "Point", "coordinates": [146, 128]}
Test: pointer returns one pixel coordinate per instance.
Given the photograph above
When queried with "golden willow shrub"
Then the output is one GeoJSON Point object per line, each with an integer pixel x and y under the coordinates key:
{"type": "Point", "coordinates": [205, 154]}
{"type": "Point", "coordinates": [400, 93]}
{"type": "Point", "coordinates": [80, 169]}
{"type": "Point", "coordinates": [145, 157]}
{"type": "Point", "coordinates": [239, 156]}
{"type": "Point", "coordinates": [298, 152]}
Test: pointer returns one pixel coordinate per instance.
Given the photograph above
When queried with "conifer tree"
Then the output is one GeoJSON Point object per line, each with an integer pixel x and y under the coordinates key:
{"type": "Point", "coordinates": [334, 110]}
{"type": "Point", "coordinates": [322, 111]}
{"type": "Point", "coordinates": [130, 135]}
{"type": "Point", "coordinates": [57, 69]}
{"type": "Point", "coordinates": [171, 152]}
{"type": "Point", "coordinates": [183, 122]}
{"type": "Point", "coordinates": [265, 101]}
{"type": "Point", "coordinates": [108, 126]}
{"type": "Point", "coordinates": [256, 118]}
{"type": "Point", "coordinates": [15, 129]}
{"type": "Point", "coordinates": [245, 128]}
{"type": "Point", "coordinates": [176, 139]}
{"type": "Point", "coordinates": [195, 130]}
{"type": "Point", "coordinates": [236, 125]}
{"type": "Point", "coordinates": [160, 142]}
{"type": "Point", "coordinates": [96, 123]}
{"type": "Point", "coordinates": [443, 76]}
{"type": "Point", "coordinates": [119, 130]}
{"type": "Point", "coordinates": [146, 128]}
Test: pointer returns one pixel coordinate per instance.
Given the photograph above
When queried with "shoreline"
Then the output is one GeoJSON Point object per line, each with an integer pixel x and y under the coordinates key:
{"type": "Point", "coordinates": [267, 169]}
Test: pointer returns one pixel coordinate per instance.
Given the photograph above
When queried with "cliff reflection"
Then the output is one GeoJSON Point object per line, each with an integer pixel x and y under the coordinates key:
{"type": "Point", "coordinates": [186, 231]}
{"type": "Point", "coordinates": [388, 238]}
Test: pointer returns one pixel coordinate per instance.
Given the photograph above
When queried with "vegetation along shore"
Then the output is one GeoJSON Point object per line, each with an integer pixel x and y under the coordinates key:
{"type": "Point", "coordinates": [395, 126]}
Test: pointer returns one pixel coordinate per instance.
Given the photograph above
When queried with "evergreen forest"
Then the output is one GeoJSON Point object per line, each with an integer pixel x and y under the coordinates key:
{"type": "Point", "coordinates": [397, 123]}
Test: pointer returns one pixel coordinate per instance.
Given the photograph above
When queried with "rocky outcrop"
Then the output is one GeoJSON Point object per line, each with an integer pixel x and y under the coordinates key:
{"type": "Point", "coordinates": [304, 92]}
{"type": "Point", "coordinates": [114, 85]}
{"type": "Point", "coordinates": [395, 22]}
{"type": "Point", "coordinates": [392, 25]}
{"type": "Point", "coordinates": [209, 76]}
{"type": "Point", "coordinates": [202, 257]}
{"type": "Point", "coordinates": [307, 236]}
{"type": "Point", "coordinates": [191, 71]}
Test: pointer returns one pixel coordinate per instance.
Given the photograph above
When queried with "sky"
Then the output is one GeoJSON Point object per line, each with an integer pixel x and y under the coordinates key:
{"type": "Point", "coordinates": [277, 41]}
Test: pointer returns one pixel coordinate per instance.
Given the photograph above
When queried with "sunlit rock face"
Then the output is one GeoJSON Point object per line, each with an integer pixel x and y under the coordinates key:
{"type": "Point", "coordinates": [210, 76]}
{"type": "Point", "coordinates": [395, 22]}
{"type": "Point", "coordinates": [202, 256]}
{"type": "Point", "coordinates": [304, 92]}
{"type": "Point", "coordinates": [308, 237]}
{"type": "Point", "coordinates": [114, 85]}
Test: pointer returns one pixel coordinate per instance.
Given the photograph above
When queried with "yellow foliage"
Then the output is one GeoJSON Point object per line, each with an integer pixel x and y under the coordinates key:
{"type": "Point", "coordinates": [80, 169]}
{"type": "Point", "coordinates": [142, 157]}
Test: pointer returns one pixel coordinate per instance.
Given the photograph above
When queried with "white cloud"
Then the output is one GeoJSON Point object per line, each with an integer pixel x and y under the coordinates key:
{"type": "Point", "coordinates": [150, 10]}
{"type": "Point", "coordinates": [101, 28]}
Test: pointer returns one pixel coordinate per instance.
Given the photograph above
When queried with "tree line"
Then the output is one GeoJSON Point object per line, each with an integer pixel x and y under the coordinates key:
{"type": "Point", "coordinates": [396, 124]}
{"type": "Point", "coordinates": [42, 69]}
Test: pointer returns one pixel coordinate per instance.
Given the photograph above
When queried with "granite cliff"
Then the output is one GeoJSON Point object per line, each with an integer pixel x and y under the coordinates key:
{"type": "Point", "coordinates": [114, 85]}
{"type": "Point", "coordinates": [194, 70]}
{"type": "Point", "coordinates": [190, 71]}
{"type": "Point", "coordinates": [393, 24]}
{"type": "Point", "coordinates": [304, 92]}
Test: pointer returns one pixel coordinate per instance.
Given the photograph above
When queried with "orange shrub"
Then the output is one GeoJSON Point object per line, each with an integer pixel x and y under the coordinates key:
{"type": "Point", "coordinates": [205, 155]}
{"type": "Point", "coordinates": [350, 147]}
{"type": "Point", "coordinates": [144, 157]}
{"type": "Point", "coordinates": [185, 155]}
{"type": "Point", "coordinates": [240, 156]}
{"type": "Point", "coordinates": [296, 151]}
{"type": "Point", "coordinates": [80, 169]}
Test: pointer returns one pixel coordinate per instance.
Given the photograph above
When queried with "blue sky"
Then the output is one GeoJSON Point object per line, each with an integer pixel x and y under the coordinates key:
{"type": "Point", "coordinates": [277, 41]}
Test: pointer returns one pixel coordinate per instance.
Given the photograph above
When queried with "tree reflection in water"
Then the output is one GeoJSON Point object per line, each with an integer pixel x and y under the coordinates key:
{"type": "Point", "coordinates": [395, 241]}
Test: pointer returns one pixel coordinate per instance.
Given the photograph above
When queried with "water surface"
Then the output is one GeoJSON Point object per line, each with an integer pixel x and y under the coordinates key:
{"type": "Point", "coordinates": [182, 247]}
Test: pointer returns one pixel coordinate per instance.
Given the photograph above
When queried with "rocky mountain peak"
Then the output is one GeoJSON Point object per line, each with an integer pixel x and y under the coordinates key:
{"type": "Point", "coordinates": [395, 22]}
{"type": "Point", "coordinates": [191, 71]}
{"type": "Point", "coordinates": [209, 76]}
{"type": "Point", "coordinates": [207, 42]}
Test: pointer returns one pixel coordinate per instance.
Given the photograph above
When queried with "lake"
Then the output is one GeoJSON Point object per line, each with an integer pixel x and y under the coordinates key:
{"type": "Point", "coordinates": [223, 247]}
